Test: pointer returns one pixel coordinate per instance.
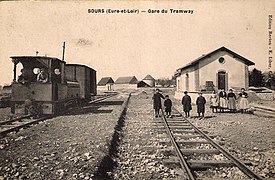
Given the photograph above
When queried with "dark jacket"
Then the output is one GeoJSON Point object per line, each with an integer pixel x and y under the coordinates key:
{"type": "Point", "coordinates": [186, 102]}
{"type": "Point", "coordinates": [200, 102]}
{"type": "Point", "coordinates": [223, 94]}
{"type": "Point", "coordinates": [157, 100]}
{"type": "Point", "coordinates": [168, 105]}
{"type": "Point", "coordinates": [243, 94]}
{"type": "Point", "coordinates": [231, 95]}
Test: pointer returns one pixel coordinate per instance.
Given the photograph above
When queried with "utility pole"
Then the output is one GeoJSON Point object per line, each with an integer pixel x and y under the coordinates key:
{"type": "Point", "coordinates": [63, 55]}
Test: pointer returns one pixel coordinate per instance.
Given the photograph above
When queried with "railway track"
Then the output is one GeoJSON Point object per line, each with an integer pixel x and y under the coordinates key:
{"type": "Point", "coordinates": [195, 149]}
{"type": "Point", "coordinates": [101, 98]}
{"type": "Point", "coordinates": [269, 112]}
{"type": "Point", "coordinates": [14, 125]}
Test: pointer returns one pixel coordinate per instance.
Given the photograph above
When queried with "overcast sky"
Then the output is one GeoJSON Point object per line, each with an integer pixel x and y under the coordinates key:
{"type": "Point", "coordinates": [134, 44]}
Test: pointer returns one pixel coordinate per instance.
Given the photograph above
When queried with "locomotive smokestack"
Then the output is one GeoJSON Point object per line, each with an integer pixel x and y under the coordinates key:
{"type": "Point", "coordinates": [63, 55]}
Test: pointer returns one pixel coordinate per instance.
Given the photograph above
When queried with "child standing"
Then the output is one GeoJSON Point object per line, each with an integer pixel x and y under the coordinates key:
{"type": "Point", "coordinates": [168, 106]}
{"type": "Point", "coordinates": [200, 105]}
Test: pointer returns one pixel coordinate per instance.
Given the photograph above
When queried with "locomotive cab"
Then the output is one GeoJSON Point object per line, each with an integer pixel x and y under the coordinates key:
{"type": "Point", "coordinates": [41, 81]}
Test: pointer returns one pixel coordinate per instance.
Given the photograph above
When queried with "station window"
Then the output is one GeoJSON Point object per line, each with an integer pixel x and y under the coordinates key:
{"type": "Point", "coordinates": [221, 60]}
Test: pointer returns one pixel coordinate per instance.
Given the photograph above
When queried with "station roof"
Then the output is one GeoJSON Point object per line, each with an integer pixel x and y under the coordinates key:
{"type": "Point", "coordinates": [196, 61]}
{"type": "Point", "coordinates": [105, 80]}
{"type": "Point", "coordinates": [126, 80]}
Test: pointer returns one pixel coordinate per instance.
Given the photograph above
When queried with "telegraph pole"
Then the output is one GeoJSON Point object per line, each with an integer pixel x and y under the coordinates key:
{"type": "Point", "coordinates": [63, 55]}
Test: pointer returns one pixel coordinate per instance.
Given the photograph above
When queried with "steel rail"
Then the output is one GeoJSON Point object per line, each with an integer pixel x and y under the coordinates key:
{"type": "Point", "coordinates": [237, 162]}
{"type": "Point", "coordinates": [15, 119]}
{"type": "Point", "coordinates": [267, 112]}
{"type": "Point", "coordinates": [102, 98]}
{"type": "Point", "coordinates": [266, 109]}
{"type": "Point", "coordinates": [183, 162]}
{"type": "Point", "coordinates": [17, 127]}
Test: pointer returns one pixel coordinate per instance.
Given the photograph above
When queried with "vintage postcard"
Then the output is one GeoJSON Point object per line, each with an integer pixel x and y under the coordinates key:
{"type": "Point", "coordinates": [99, 77]}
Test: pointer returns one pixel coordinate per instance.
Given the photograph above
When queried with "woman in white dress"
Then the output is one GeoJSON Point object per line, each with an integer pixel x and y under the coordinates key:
{"type": "Point", "coordinates": [223, 101]}
{"type": "Point", "coordinates": [231, 97]}
{"type": "Point", "coordinates": [243, 101]}
{"type": "Point", "coordinates": [214, 101]}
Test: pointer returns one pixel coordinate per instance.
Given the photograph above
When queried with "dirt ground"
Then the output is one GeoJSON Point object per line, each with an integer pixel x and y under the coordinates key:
{"type": "Point", "coordinates": [4, 113]}
{"type": "Point", "coordinates": [65, 147]}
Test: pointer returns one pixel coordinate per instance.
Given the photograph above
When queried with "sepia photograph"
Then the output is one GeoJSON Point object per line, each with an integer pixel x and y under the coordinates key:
{"type": "Point", "coordinates": [137, 89]}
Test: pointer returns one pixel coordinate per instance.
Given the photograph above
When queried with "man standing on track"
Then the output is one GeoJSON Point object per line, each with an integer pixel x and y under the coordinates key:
{"type": "Point", "coordinates": [157, 102]}
{"type": "Point", "coordinates": [186, 102]}
{"type": "Point", "coordinates": [200, 102]}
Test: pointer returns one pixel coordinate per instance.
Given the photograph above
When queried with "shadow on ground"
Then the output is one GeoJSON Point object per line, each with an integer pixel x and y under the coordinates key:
{"type": "Point", "coordinates": [97, 108]}
{"type": "Point", "coordinates": [109, 103]}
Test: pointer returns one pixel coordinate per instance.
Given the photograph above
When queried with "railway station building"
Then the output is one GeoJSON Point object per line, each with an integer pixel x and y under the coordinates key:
{"type": "Point", "coordinates": [105, 84]}
{"type": "Point", "coordinates": [217, 70]}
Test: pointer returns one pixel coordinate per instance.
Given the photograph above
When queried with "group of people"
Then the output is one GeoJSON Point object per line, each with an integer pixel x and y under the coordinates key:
{"type": "Point", "coordinates": [187, 107]}
{"type": "Point", "coordinates": [220, 101]}
{"type": "Point", "coordinates": [225, 100]}
{"type": "Point", "coordinates": [25, 78]}
{"type": "Point", "coordinates": [186, 102]}
{"type": "Point", "coordinates": [158, 105]}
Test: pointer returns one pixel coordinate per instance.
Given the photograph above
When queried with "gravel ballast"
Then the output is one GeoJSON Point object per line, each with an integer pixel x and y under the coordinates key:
{"type": "Point", "coordinates": [249, 137]}
{"type": "Point", "coordinates": [75, 146]}
{"type": "Point", "coordinates": [65, 147]}
{"type": "Point", "coordinates": [139, 153]}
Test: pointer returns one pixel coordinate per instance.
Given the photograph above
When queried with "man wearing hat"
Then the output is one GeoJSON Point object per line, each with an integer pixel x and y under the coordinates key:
{"type": "Point", "coordinates": [157, 102]}
{"type": "Point", "coordinates": [186, 103]}
{"type": "Point", "coordinates": [200, 102]}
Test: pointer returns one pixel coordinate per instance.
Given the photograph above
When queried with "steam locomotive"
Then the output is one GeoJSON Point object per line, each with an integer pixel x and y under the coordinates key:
{"type": "Point", "coordinates": [62, 84]}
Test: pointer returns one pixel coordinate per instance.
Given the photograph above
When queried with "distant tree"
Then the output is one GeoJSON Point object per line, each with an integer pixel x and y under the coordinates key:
{"type": "Point", "coordinates": [256, 78]}
{"type": "Point", "coordinates": [269, 79]}
{"type": "Point", "coordinates": [164, 82]}
{"type": "Point", "coordinates": [173, 80]}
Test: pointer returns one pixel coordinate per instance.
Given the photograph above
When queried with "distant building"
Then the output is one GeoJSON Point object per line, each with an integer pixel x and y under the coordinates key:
{"type": "Point", "coordinates": [143, 84]}
{"type": "Point", "coordinates": [129, 82]}
{"type": "Point", "coordinates": [219, 69]}
{"type": "Point", "coordinates": [105, 84]}
{"type": "Point", "coordinates": [149, 80]}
